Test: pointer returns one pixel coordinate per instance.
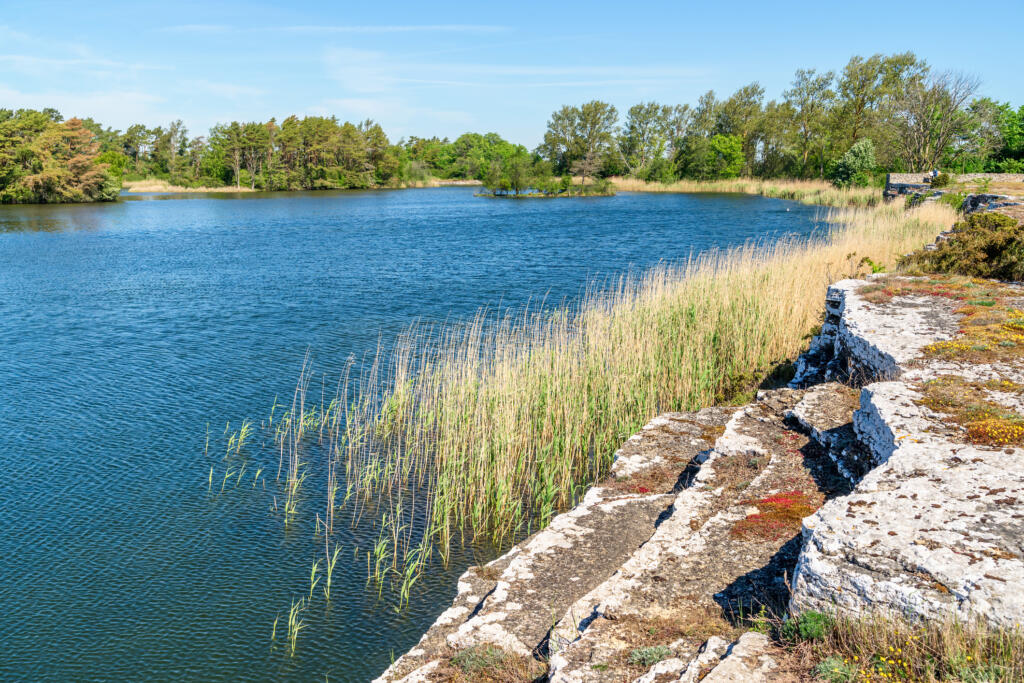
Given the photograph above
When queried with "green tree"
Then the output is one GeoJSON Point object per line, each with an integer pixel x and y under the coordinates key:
{"type": "Point", "coordinates": [741, 115]}
{"type": "Point", "coordinates": [810, 98]}
{"type": "Point", "coordinates": [931, 115]}
{"type": "Point", "coordinates": [644, 136]}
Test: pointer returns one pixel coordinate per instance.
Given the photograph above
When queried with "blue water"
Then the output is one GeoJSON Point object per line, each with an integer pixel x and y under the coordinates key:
{"type": "Point", "coordinates": [128, 330]}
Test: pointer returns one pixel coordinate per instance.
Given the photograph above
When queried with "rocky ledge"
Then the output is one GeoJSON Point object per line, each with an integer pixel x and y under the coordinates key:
{"type": "Point", "coordinates": [843, 492]}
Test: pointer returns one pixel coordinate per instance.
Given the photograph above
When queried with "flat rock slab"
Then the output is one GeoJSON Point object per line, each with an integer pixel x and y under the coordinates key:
{"type": "Point", "coordinates": [513, 601]}
{"type": "Point", "coordinates": [751, 659]}
{"type": "Point", "coordinates": [695, 573]}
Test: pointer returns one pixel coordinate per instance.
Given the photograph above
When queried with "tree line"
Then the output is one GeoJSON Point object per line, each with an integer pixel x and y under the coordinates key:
{"type": "Point", "coordinates": [890, 113]}
{"type": "Point", "coordinates": [884, 112]}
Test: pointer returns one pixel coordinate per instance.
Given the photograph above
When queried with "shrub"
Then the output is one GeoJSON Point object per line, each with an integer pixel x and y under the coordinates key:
{"type": "Point", "coordinates": [988, 245]}
{"type": "Point", "coordinates": [942, 180]}
{"type": "Point", "coordinates": [808, 626]}
{"type": "Point", "coordinates": [854, 167]}
{"type": "Point", "coordinates": [647, 657]}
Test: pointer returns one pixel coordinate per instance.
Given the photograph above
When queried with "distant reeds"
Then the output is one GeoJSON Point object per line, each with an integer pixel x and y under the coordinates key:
{"type": "Point", "coordinates": [804, 191]}
{"type": "Point", "coordinates": [156, 185]}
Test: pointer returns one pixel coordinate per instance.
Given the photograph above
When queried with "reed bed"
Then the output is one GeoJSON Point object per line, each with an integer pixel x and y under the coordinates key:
{"type": "Point", "coordinates": [484, 431]}
{"type": "Point", "coordinates": [156, 185]}
{"type": "Point", "coordinates": [816, 192]}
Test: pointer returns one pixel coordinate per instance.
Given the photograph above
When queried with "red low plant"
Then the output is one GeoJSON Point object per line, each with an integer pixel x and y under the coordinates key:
{"type": "Point", "coordinates": [779, 515]}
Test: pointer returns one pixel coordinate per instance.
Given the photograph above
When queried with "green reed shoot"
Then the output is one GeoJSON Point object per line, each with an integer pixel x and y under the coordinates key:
{"type": "Point", "coordinates": [314, 579]}
{"type": "Point", "coordinates": [330, 561]}
{"type": "Point", "coordinates": [295, 623]}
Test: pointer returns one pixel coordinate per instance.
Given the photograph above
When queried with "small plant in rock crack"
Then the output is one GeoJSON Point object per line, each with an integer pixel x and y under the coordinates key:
{"type": "Point", "coordinates": [807, 626]}
{"type": "Point", "coordinates": [478, 658]}
{"type": "Point", "coordinates": [647, 657]}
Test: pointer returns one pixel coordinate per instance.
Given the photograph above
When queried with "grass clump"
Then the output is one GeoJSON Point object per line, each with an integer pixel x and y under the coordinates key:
{"type": "Point", "coordinates": [491, 664]}
{"type": "Point", "coordinates": [987, 245]}
{"type": "Point", "coordinates": [954, 200]}
{"type": "Point", "coordinates": [878, 647]}
{"type": "Point", "coordinates": [646, 657]}
{"type": "Point", "coordinates": [779, 516]}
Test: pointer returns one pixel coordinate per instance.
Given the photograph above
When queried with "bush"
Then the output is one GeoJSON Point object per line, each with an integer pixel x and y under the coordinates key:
{"type": "Point", "coordinates": [808, 626]}
{"type": "Point", "coordinates": [988, 245]}
{"type": "Point", "coordinates": [854, 167]}
{"type": "Point", "coordinates": [942, 180]}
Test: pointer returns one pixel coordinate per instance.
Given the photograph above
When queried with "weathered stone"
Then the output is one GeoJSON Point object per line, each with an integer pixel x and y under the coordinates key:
{"type": "Point", "coordinates": [512, 601]}
{"type": "Point", "coordinates": [936, 528]}
{"type": "Point", "coordinates": [748, 660]}
{"type": "Point", "coordinates": [695, 572]}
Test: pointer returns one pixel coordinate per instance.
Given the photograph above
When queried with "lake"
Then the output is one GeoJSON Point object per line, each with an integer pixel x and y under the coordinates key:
{"type": "Point", "coordinates": [131, 331]}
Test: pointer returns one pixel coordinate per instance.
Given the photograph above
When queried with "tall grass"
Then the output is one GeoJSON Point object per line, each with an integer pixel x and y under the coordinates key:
{"type": "Point", "coordinates": [877, 647]}
{"type": "Point", "coordinates": [488, 429]}
{"type": "Point", "coordinates": [157, 185]}
{"type": "Point", "coordinates": [804, 191]}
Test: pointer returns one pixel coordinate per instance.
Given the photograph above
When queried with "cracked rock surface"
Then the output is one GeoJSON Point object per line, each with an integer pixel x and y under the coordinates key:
{"type": "Point", "coordinates": [936, 525]}
{"type": "Point", "coordinates": [513, 601]}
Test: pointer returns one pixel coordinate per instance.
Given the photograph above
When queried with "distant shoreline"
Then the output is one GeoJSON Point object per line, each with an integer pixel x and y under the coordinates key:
{"type": "Point", "coordinates": [156, 185]}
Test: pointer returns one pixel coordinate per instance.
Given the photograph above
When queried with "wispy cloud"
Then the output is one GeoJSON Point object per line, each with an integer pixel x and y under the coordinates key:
{"type": "Point", "coordinates": [34, 62]}
{"type": "Point", "coordinates": [225, 90]}
{"type": "Point", "coordinates": [400, 117]}
{"type": "Point", "coordinates": [336, 29]}
{"type": "Point", "coordinates": [365, 71]}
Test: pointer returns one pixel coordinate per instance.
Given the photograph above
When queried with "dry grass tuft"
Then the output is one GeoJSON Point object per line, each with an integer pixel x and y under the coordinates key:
{"type": "Point", "coordinates": [155, 185]}
{"type": "Point", "coordinates": [489, 664]}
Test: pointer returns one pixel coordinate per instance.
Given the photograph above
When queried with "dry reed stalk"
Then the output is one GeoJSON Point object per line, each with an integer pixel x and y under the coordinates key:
{"type": "Point", "coordinates": [155, 185]}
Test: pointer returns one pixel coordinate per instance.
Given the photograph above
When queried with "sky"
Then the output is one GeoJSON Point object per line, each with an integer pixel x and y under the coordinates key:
{"type": "Point", "coordinates": [435, 68]}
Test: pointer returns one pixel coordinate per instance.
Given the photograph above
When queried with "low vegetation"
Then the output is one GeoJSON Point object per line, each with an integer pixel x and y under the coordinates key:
{"type": "Point", "coordinates": [157, 185]}
{"type": "Point", "coordinates": [879, 647]}
{"type": "Point", "coordinates": [778, 516]}
{"type": "Point", "coordinates": [815, 192]}
{"type": "Point", "coordinates": [488, 663]}
{"type": "Point", "coordinates": [970, 405]}
{"type": "Point", "coordinates": [988, 245]}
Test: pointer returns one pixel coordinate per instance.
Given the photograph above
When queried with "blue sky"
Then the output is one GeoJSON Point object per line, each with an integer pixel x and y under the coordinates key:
{"type": "Point", "coordinates": [423, 68]}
